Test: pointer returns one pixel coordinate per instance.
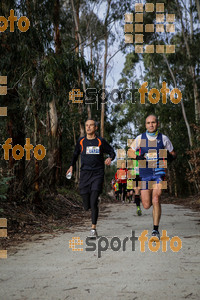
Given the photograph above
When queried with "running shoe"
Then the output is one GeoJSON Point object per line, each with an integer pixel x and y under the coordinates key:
{"type": "Point", "coordinates": [139, 212]}
{"type": "Point", "coordinates": [155, 233]}
{"type": "Point", "coordinates": [93, 234]}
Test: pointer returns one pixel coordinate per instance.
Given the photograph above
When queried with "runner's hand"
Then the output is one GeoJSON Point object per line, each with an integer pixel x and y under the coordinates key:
{"type": "Point", "coordinates": [108, 161]}
{"type": "Point", "coordinates": [141, 157]}
{"type": "Point", "coordinates": [69, 170]}
{"type": "Point", "coordinates": [170, 157]}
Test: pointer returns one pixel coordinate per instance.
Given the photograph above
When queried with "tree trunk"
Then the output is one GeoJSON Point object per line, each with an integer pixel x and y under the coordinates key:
{"type": "Point", "coordinates": [53, 118]}
{"type": "Point", "coordinates": [198, 8]}
{"type": "Point", "coordinates": [105, 68]}
{"type": "Point", "coordinates": [174, 181]}
{"type": "Point", "coordinates": [191, 70]}
{"type": "Point", "coordinates": [195, 181]}
{"type": "Point", "coordinates": [191, 22]}
{"type": "Point", "coordinates": [54, 160]}
{"type": "Point", "coordinates": [79, 43]}
{"type": "Point", "coordinates": [16, 132]}
{"type": "Point", "coordinates": [37, 173]}
{"type": "Point", "coordinates": [182, 104]}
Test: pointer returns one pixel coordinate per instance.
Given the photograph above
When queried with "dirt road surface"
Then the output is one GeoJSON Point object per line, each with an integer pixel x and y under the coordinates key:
{"type": "Point", "coordinates": [49, 269]}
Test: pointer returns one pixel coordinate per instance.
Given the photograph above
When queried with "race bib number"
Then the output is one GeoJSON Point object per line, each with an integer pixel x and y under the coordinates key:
{"type": "Point", "coordinates": [129, 184]}
{"type": "Point", "coordinates": [121, 174]}
{"type": "Point", "coordinates": [151, 156]}
{"type": "Point", "coordinates": [92, 150]}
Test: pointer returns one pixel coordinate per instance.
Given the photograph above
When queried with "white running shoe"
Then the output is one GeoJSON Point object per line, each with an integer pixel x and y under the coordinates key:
{"type": "Point", "coordinates": [93, 234]}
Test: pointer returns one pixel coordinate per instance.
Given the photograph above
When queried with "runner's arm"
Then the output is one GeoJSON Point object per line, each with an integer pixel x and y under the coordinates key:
{"type": "Point", "coordinates": [171, 154]}
{"type": "Point", "coordinates": [131, 153]}
{"type": "Point", "coordinates": [76, 153]}
{"type": "Point", "coordinates": [74, 158]}
{"type": "Point", "coordinates": [108, 149]}
{"type": "Point", "coordinates": [134, 147]}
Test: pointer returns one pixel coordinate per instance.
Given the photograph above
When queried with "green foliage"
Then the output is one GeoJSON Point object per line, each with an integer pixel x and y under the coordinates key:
{"type": "Point", "coordinates": [4, 185]}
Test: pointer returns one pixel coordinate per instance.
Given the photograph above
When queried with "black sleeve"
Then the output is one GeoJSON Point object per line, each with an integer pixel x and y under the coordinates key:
{"type": "Point", "coordinates": [108, 149]}
{"type": "Point", "coordinates": [76, 153]}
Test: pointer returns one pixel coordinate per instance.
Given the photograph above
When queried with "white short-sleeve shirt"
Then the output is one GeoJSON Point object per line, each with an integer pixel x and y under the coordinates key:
{"type": "Point", "coordinates": [166, 142]}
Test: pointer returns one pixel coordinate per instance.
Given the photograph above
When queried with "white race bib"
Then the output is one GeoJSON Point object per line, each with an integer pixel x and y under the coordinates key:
{"type": "Point", "coordinates": [151, 156]}
{"type": "Point", "coordinates": [92, 150]}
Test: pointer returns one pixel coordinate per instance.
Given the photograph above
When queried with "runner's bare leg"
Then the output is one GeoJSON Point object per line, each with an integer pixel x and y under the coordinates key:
{"type": "Point", "coordinates": [146, 198]}
{"type": "Point", "coordinates": [156, 194]}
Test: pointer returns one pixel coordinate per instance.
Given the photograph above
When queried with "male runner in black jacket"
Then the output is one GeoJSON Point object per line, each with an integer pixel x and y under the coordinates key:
{"type": "Point", "coordinates": [91, 147]}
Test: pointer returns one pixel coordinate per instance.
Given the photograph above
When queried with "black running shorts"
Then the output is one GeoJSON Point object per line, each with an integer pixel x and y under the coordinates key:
{"type": "Point", "coordinates": [91, 181]}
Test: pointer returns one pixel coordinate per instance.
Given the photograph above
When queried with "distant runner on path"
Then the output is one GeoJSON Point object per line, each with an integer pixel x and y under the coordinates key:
{"type": "Point", "coordinates": [116, 190]}
{"type": "Point", "coordinates": [121, 178]}
{"type": "Point", "coordinates": [133, 185]}
{"type": "Point", "coordinates": [149, 145]}
{"type": "Point", "coordinates": [91, 147]}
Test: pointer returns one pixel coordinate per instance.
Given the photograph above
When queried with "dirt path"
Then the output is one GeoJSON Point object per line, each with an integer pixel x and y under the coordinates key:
{"type": "Point", "coordinates": [49, 269]}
